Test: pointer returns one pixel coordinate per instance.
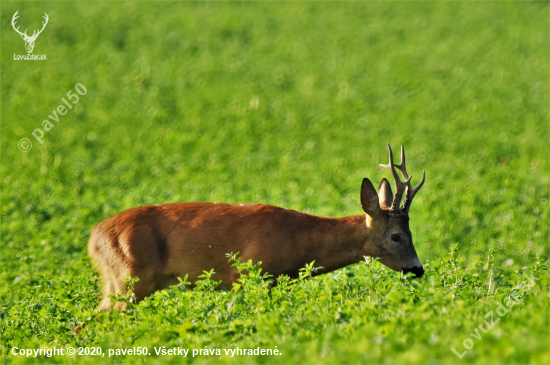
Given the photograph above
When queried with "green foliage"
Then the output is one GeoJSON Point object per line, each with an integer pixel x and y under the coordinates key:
{"type": "Point", "coordinates": [363, 312]}
{"type": "Point", "coordinates": [291, 104]}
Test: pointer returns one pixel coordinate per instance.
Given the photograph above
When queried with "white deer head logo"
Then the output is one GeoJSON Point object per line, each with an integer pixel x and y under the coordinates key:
{"type": "Point", "coordinates": [29, 41]}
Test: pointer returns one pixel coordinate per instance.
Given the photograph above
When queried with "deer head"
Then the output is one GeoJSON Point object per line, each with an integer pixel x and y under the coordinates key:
{"type": "Point", "coordinates": [29, 41]}
{"type": "Point", "coordinates": [389, 222]}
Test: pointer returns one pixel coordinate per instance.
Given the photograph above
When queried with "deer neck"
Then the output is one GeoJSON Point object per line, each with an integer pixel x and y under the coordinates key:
{"type": "Point", "coordinates": [337, 242]}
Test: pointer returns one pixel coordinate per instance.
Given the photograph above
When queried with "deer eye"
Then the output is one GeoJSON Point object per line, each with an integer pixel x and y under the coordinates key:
{"type": "Point", "coordinates": [396, 238]}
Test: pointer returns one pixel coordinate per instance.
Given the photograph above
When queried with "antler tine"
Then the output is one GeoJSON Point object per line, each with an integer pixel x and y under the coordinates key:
{"type": "Point", "coordinates": [402, 167]}
{"type": "Point", "coordinates": [399, 185]}
{"type": "Point", "coordinates": [412, 192]}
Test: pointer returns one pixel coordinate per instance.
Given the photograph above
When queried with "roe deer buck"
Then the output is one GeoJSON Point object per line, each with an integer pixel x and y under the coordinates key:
{"type": "Point", "coordinates": [160, 243]}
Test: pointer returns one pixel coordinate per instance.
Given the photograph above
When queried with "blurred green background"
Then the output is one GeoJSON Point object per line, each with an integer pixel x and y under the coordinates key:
{"type": "Point", "coordinates": [285, 103]}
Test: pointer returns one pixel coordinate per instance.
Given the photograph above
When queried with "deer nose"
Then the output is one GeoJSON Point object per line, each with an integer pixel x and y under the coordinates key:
{"type": "Point", "coordinates": [417, 270]}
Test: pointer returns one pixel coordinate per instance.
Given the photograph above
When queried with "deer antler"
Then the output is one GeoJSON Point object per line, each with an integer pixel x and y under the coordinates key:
{"type": "Point", "coordinates": [399, 185]}
{"type": "Point", "coordinates": [24, 34]}
{"type": "Point", "coordinates": [402, 186]}
{"type": "Point", "coordinates": [15, 16]}
{"type": "Point", "coordinates": [34, 36]}
{"type": "Point", "coordinates": [410, 191]}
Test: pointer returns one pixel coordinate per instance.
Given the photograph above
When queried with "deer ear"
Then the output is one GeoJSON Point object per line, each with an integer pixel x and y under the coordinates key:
{"type": "Point", "coordinates": [385, 194]}
{"type": "Point", "coordinates": [369, 198]}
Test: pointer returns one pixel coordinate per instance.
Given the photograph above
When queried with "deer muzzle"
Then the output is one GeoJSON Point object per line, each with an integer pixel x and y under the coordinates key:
{"type": "Point", "coordinates": [417, 270]}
